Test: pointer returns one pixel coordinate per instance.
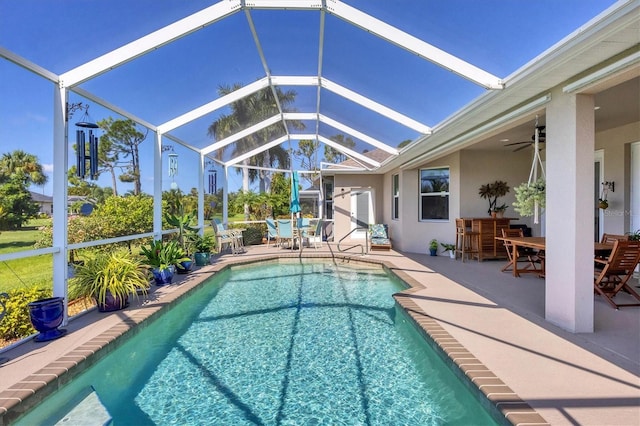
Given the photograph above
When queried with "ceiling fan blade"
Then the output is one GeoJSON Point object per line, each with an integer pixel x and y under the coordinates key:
{"type": "Point", "coordinates": [521, 148]}
{"type": "Point", "coordinates": [517, 143]}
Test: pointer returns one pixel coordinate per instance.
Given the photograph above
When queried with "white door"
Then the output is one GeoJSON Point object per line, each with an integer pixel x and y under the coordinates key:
{"type": "Point", "coordinates": [361, 212]}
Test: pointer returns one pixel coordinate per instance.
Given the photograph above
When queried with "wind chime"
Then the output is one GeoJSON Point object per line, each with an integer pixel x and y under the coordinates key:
{"type": "Point", "coordinates": [213, 178]}
{"type": "Point", "coordinates": [84, 135]}
{"type": "Point", "coordinates": [173, 168]}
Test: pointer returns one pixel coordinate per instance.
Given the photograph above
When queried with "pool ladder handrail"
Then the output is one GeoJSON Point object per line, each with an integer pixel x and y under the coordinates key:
{"type": "Point", "coordinates": [363, 249]}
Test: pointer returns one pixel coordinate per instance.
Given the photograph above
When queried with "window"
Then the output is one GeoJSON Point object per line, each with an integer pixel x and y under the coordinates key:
{"type": "Point", "coordinates": [395, 203]}
{"type": "Point", "coordinates": [434, 194]}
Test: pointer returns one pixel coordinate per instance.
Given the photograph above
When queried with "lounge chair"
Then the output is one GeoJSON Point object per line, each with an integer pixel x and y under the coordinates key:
{"type": "Point", "coordinates": [272, 232]}
{"type": "Point", "coordinates": [379, 237]}
{"type": "Point", "coordinates": [232, 238]}
{"type": "Point", "coordinates": [612, 274]}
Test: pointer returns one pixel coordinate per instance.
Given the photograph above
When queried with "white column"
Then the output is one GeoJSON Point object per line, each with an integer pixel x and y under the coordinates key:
{"type": "Point", "coordinates": [60, 166]}
{"type": "Point", "coordinates": [157, 187]}
{"type": "Point", "coordinates": [225, 195]}
{"type": "Point", "coordinates": [569, 212]}
{"type": "Point", "coordinates": [201, 193]}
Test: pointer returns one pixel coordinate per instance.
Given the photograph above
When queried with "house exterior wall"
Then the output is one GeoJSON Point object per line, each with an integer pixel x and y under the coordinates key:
{"type": "Point", "coordinates": [616, 145]}
{"type": "Point", "coordinates": [343, 186]}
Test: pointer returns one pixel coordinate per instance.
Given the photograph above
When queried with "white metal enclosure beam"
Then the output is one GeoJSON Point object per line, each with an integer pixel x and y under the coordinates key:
{"type": "Point", "coordinates": [150, 42]}
{"type": "Point", "coordinates": [205, 109]}
{"type": "Point", "coordinates": [337, 146]}
{"type": "Point", "coordinates": [353, 132]}
{"type": "Point", "coordinates": [257, 151]}
{"type": "Point", "coordinates": [27, 64]}
{"type": "Point", "coordinates": [412, 44]}
{"type": "Point", "coordinates": [242, 134]}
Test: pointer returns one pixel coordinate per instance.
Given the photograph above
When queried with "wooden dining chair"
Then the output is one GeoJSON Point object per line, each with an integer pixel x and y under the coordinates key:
{"type": "Point", "coordinates": [531, 257]}
{"type": "Point", "coordinates": [612, 274]}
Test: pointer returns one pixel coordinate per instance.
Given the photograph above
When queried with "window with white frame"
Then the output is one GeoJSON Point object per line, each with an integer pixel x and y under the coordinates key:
{"type": "Point", "coordinates": [395, 203]}
{"type": "Point", "coordinates": [434, 194]}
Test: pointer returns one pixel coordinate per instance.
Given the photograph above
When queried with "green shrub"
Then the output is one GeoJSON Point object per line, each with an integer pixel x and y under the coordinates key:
{"type": "Point", "coordinates": [253, 235]}
{"type": "Point", "coordinates": [16, 323]}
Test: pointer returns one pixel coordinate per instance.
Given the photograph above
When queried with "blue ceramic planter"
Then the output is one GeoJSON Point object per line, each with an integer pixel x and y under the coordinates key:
{"type": "Point", "coordinates": [186, 267]}
{"type": "Point", "coordinates": [46, 316]}
{"type": "Point", "coordinates": [162, 276]}
{"type": "Point", "coordinates": [202, 259]}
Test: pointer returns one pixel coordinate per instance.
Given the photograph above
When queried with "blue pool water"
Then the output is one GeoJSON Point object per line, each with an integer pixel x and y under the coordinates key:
{"type": "Point", "coordinates": [278, 344]}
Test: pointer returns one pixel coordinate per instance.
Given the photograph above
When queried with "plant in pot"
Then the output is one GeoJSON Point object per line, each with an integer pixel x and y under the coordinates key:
{"type": "Point", "coordinates": [109, 278]}
{"type": "Point", "coordinates": [202, 246]}
{"type": "Point", "coordinates": [433, 247]}
{"type": "Point", "coordinates": [528, 195]}
{"type": "Point", "coordinates": [635, 235]}
{"type": "Point", "coordinates": [182, 221]}
{"type": "Point", "coordinates": [163, 258]}
{"type": "Point", "coordinates": [493, 191]}
{"type": "Point", "coordinates": [451, 248]}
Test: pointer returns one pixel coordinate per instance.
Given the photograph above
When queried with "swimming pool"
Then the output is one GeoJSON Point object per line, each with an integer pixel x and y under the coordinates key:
{"type": "Point", "coordinates": [278, 343]}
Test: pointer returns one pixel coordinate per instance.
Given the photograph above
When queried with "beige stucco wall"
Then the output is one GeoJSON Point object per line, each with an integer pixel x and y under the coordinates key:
{"type": "Point", "coordinates": [343, 185]}
{"type": "Point", "coordinates": [616, 146]}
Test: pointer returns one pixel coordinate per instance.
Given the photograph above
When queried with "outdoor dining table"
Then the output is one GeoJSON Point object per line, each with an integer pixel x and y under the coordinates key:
{"type": "Point", "coordinates": [539, 243]}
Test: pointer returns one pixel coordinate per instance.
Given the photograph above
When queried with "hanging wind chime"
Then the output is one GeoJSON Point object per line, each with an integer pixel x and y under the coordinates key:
{"type": "Point", "coordinates": [84, 153]}
{"type": "Point", "coordinates": [213, 178]}
{"type": "Point", "coordinates": [173, 168]}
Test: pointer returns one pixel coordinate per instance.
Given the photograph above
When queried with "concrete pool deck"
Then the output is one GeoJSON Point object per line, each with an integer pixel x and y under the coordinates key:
{"type": "Point", "coordinates": [489, 322]}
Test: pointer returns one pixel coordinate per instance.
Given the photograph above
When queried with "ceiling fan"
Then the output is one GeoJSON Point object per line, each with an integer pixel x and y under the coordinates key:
{"type": "Point", "coordinates": [541, 139]}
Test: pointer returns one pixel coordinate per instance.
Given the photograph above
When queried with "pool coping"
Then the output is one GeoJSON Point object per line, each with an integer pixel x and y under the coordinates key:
{"type": "Point", "coordinates": [494, 394]}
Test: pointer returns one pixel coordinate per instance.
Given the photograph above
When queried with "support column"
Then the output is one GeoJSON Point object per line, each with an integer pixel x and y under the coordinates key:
{"type": "Point", "coordinates": [225, 195]}
{"type": "Point", "coordinates": [201, 193]}
{"type": "Point", "coordinates": [157, 188]}
{"type": "Point", "coordinates": [569, 212]}
{"type": "Point", "coordinates": [60, 166]}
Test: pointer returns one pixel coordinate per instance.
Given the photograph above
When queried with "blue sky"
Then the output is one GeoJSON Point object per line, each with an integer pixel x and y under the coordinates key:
{"type": "Point", "coordinates": [498, 36]}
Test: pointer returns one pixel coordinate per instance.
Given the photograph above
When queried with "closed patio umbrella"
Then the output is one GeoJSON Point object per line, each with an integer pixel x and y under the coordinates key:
{"type": "Point", "coordinates": [294, 207]}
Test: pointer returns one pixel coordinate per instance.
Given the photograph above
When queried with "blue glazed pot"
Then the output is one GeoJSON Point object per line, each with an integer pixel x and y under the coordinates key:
{"type": "Point", "coordinates": [186, 267]}
{"type": "Point", "coordinates": [46, 316]}
{"type": "Point", "coordinates": [162, 276]}
{"type": "Point", "coordinates": [202, 259]}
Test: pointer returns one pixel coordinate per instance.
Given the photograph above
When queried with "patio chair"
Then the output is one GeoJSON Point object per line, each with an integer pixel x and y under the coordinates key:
{"type": "Point", "coordinates": [232, 238]}
{"type": "Point", "coordinates": [612, 274]}
{"type": "Point", "coordinates": [272, 232]}
{"type": "Point", "coordinates": [315, 233]}
{"type": "Point", "coordinates": [379, 237]}
{"type": "Point", "coordinates": [610, 239]}
{"type": "Point", "coordinates": [285, 231]}
{"type": "Point", "coordinates": [533, 258]}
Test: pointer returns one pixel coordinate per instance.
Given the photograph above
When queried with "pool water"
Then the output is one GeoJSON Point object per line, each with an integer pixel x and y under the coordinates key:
{"type": "Point", "coordinates": [278, 344]}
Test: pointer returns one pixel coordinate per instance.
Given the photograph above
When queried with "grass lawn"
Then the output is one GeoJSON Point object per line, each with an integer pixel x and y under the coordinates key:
{"type": "Point", "coordinates": [24, 272]}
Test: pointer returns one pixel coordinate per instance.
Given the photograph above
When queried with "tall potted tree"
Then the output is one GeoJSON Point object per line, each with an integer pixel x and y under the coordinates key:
{"type": "Point", "coordinates": [493, 191]}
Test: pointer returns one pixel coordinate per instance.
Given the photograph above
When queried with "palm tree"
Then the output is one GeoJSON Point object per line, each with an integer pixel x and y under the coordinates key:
{"type": "Point", "coordinates": [23, 166]}
{"type": "Point", "coordinates": [246, 112]}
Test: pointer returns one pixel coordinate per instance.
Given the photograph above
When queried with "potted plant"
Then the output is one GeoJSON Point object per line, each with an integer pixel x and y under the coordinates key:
{"type": "Point", "coordinates": [163, 258]}
{"type": "Point", "coordinates": [635, 235]}
{"type": "Point", "coordinates": [109, 278]}
{"type": "Point", "coordinates": [451, 248]}
{"type": "Point", "coordinates": [527, 195]}
{"type": "Point", "coordinates": [433, 247]}
{"type": "Point", "coordinates": [202, 246]}
{"type": "Point", "coordinates": [493, 191]}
